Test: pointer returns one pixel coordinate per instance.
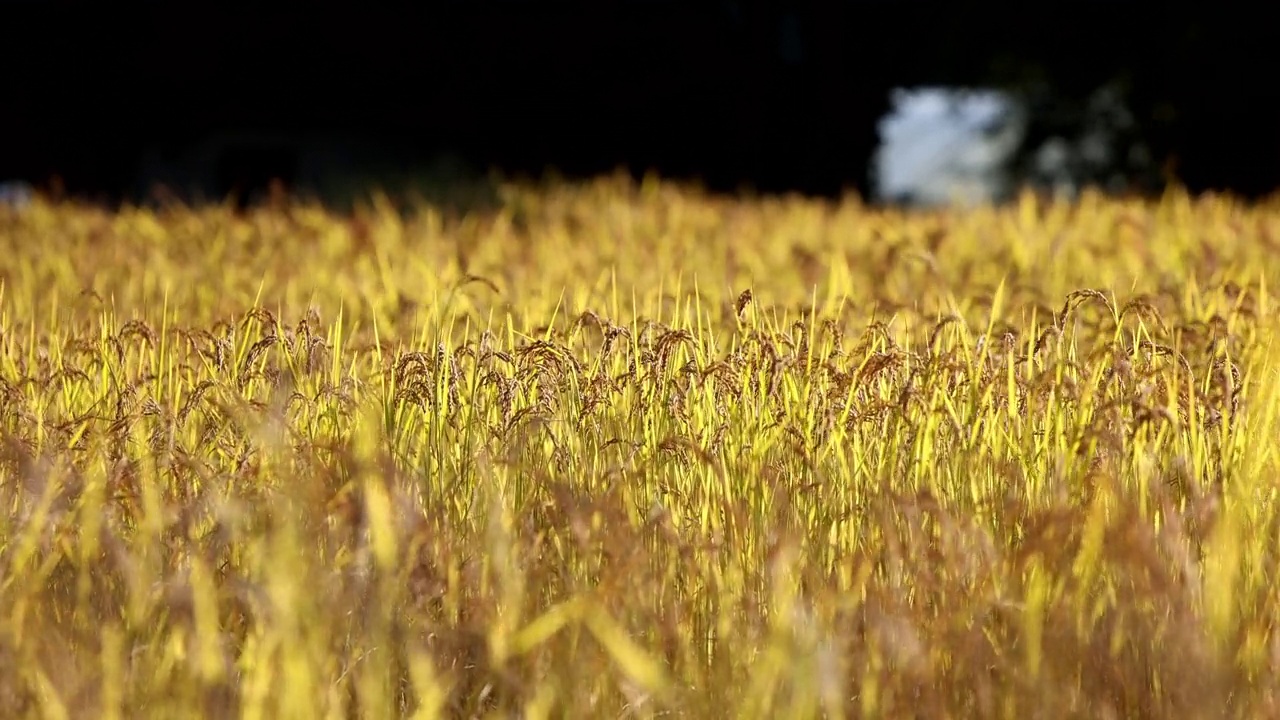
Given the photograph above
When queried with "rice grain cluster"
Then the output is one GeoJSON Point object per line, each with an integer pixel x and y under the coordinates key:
{"type": "Point", "coordinates": [625, 449]}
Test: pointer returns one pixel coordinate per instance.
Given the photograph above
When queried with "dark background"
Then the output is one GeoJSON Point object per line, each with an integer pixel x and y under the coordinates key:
{"type": "Point", "coordinates": [103, 102]}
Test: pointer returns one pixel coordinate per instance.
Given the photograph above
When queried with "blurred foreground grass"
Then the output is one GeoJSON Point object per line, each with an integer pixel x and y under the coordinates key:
{"type": "Point", "coordinates": [623, 450]}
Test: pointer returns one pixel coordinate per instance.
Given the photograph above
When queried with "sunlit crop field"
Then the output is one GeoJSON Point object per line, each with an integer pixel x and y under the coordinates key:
{"type": "Point", "coordinates": [630, 450]}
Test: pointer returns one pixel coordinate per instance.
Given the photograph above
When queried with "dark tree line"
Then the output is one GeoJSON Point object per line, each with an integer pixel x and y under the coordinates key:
{"type": "Point", "coordinates": [779, 96]}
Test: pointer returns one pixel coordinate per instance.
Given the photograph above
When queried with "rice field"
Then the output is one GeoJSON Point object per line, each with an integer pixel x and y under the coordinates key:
{"type": "Point", "coordinates": [620, 449]}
